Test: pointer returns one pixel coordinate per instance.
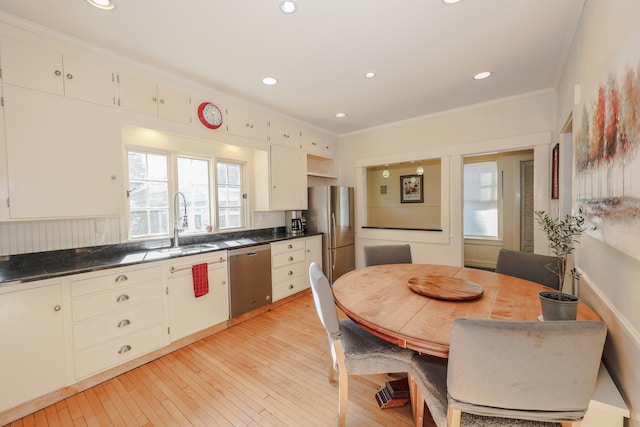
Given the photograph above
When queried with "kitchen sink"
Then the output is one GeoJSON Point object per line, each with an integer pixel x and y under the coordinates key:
{"type": "Point", "coordinates": [187, 249]}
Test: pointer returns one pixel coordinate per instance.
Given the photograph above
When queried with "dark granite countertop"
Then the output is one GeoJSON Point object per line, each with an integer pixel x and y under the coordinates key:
{"type": "Point", "coordinates": [15, 269]}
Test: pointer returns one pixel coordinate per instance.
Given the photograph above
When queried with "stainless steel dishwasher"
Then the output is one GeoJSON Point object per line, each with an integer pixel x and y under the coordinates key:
{"type": "Point", "coordinates": [250, 278]}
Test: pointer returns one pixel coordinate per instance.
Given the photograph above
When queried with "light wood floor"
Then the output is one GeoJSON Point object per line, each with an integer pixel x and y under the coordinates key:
{"type": "Point", "coordinates": [268, 371]}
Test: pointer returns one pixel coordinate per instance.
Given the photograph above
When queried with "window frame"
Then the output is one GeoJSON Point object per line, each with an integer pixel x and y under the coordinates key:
{"type": "Point", "coordinates": [243, 204]}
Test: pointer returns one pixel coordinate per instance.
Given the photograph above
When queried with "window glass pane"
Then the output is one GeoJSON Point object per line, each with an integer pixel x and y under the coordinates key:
{"type": "Point", "coordinates": [148, 194]}
{"type": "Point", "coordinates": [230, 190]}
{"type": "Point", "coordinates": [481, 199]}
{"type": "Point", "coordinates": [193, 182]}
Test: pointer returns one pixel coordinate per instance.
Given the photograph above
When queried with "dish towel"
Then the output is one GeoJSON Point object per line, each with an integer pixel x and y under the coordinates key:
{"type": "Point", "coordinates": [200, 274]}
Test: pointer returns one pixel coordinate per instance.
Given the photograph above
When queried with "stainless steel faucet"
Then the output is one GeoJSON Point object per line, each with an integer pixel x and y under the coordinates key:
{"type": "Point", "coordinates": [177, 217]}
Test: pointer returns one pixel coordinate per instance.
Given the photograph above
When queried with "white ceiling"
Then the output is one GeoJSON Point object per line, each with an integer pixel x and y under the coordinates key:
{"type": "Point", "coordinates": [423, 51]}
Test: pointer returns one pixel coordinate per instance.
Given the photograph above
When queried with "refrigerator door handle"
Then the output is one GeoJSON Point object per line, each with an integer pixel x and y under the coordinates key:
{"type": "Point", "coordinates": [334, 236]}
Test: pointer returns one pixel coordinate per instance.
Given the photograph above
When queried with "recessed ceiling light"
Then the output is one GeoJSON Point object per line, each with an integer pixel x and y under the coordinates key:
{"type": "Point", "coordinates": [482, 75]}
{"type": "Point", "coordinates": [102, 4]}
{"type": "Point", "coordinates": [451, 1]}
{"type": "Point", "coordinates": [288, 6]}
{"type": "Point", "coordinates": [370, 74]}
{"type": "Point", "coordinates": [269, 81]}
{"type": "Point", "coordinates": [341, 115]}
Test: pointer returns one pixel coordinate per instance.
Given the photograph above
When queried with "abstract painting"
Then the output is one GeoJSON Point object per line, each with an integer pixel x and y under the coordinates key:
{"type": "Point", "coordinates": [607, 165]}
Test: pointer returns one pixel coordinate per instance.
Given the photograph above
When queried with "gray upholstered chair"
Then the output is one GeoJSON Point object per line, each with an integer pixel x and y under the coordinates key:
{"type": "Point", "coordinates": [513, 373]}
{"type": "Point", "coordinates": [354, 351]}
{"type": "Point", "coordinates": [528, 266]}
{"type": "Point", "coordinates": [387, 254]}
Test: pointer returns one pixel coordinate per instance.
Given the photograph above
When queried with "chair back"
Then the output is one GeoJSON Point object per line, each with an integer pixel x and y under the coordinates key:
{"type": "Point", "coordinates": [529, 266]}
{"type": "Point", "coordinates": [387, 254]}
{"type": "Point", "coordinates": [544, 371]}
{"type": "Point", "coordinates": [323, 300]}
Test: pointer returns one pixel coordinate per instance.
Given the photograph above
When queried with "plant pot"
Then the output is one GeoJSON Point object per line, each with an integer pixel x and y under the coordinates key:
{"type": "Point", "coordinates": [554, 309]}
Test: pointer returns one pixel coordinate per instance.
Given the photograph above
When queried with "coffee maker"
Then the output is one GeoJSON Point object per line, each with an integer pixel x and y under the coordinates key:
{"type": "Point", "coordinates": [294, 222]}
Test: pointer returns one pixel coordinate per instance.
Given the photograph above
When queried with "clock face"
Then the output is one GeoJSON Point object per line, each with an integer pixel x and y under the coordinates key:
{"type": "Point", "coordinates": [210, 115]}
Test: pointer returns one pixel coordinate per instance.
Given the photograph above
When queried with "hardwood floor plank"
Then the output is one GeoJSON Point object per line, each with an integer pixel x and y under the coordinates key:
{"type": "Point", "coordinates": [270, 370]}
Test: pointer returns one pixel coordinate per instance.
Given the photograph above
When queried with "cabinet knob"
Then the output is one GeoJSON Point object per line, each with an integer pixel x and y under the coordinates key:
{"type": "Point", "coordinates": [123, 297]}
{"type": "Point", "coordinates": [290, 286]}
{"type": "Point", "coordinates": [154, 99]}
{"type": "Point", "coordinates": [224, 282]}
{"type": "Point", "coordinates": [290, 258]}
{"type": "Point", "coordinates": [124, 349]}
{"type": "Point", "coordinates": [123, 323]}
{"type": "Point", "coordinates": [161, 101]}
{"type": "Point", "coordinates": [290, 246]}
{"type": "Point", "coordinates": [69, 76]}
{"type": "Point", "coordinates": [122, 278]}
{"type": "Point", "coordinates": [57, 308]}
{"type": "Point", "coordinates": [57, 72]}
{"type": "Point", "coordinates": [290, 273]}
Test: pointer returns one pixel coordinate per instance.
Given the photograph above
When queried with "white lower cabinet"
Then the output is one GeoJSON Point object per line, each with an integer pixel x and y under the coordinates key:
{"type": "Point", "coordinates": [188, 314]}
{"type": "Point", "coordinates": [33, 345]}
{"type": "Point", "coordinates": [313, 246]}
{"type": "Point", "coordinates": [290, 262]}
{"type": "Point", "coordinates": [116, 316]}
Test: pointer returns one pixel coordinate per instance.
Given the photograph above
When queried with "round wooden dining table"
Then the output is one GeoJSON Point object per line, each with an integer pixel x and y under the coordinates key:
{"type": "Point", "coordinates": [380, 300]}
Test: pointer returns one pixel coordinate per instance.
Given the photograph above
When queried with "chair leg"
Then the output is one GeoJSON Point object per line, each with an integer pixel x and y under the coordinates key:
{"type": "Point", "coordinates": [453, 417]}
{"type": "Point", "coordinates": [417, 401]}
{"type": "Point", "coordinates": [343, 396]}
{"type": "Point", "coordinates": [332, 373]}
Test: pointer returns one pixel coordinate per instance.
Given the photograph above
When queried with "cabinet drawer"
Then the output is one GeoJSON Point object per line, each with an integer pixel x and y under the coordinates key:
{"type": "Point", "coordinates": [106, 328]}
{"type": "Point", "coordinates": [288, 287]}
{"type": "Point", "coordinates": [287, 272]}
{"type": "Point", "coordinates": [288, 246]}
{"type": "Point", "coordinates": [117, 351]}
{"type": "Point", "coordinates": [114, 280]}
{"type": "Point", "coordinates": [115, 300]}
{"type": "Point", "coordinates": [287, 259]}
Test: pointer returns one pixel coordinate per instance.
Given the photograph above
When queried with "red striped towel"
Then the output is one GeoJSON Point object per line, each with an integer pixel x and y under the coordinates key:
{"type": "Point", "coordinates": [200, 273]}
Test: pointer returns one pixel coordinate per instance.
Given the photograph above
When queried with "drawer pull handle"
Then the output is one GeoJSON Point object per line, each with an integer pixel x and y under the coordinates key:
{"type": "Point", "coordinates": [124, 349]}
{"type": "Point", "coordinates": [290, 258]}
{"type": "Point", "coordinates": [123, 323]}
{"type": "Point", "coordinates": [290, 286]}
{"type": "Point", "coordinates": [121, 278]}
{"type": "Point", "coordinates": [123, 297]}
{"type": "Point", "coordinates": [290, 273]}
{"type": "Point", "coordinates": [290, 246]}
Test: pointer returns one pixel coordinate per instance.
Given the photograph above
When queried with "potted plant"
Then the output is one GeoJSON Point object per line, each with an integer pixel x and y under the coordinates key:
{"type": "Point", "coordinates": [563, 235]}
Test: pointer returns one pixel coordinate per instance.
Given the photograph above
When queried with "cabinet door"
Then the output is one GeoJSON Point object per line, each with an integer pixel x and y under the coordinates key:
{"type": "Point", "coordinates": [288, 178]}
{"type": "Point", "coordinates": [137, 95]}
{"type": "Point", "coordinates": [31, 66]}
{"type": "Point", "coordinates": [64, 156]}
{"type": "Point", "coordinates": [88, 82]}
{"type": "Point", "coordinates": [32, 337]}
{"type": "Point", "coordinates": [4, 184]}
{"type": "Point", "coordinates": [174, 105]}
{"type": "Point", "coordinates": [313, 142]}
{"type": "Point", "coordinates": [188, 314]}
{"type": "Point", "coordinates": [284, 133]}
{"type": "Point", "coordinates": [247, 123]}
{"type": "Point", "coordinates": [313, 247]}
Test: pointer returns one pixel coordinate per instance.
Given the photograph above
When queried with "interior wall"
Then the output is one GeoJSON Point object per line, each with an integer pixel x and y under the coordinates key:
{"type": "Point", "coordinates": [508, 124]}
{"type": "Point", "coordinates": [607, 40]}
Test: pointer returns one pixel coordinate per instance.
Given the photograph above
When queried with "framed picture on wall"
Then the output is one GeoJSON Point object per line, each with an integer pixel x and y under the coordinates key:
{"type": "Point", "coordinates": [411, 189]}
{"type": "Point", "coordinates": [555, 170]}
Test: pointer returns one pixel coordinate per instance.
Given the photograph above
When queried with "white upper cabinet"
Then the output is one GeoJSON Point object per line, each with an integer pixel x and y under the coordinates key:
{"type": "Point", "coordinates": [45, 70]}
{"type": "Point", "coordinates": [284, 133]}
{"type": "Point", "coordinates": [145, 97]}
{"type": "Point", "coordinates": [288, 178]}
{"type": "Point", "coordinates": [247, 123]}
{"type": "Point", "coordinates": [318, 144]}
{"type": "Point", "coordinates": [64, 157]}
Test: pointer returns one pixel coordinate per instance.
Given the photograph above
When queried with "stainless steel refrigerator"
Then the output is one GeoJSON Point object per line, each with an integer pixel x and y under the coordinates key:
{"type": "Point", "coordinates": [331, 212]}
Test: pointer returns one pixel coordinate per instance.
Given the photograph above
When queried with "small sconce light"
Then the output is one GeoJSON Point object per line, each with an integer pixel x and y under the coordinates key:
{"type": "Point", "coordinates": [385, 172]}
{"type": "Point", "coordinates": [420, 170]}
